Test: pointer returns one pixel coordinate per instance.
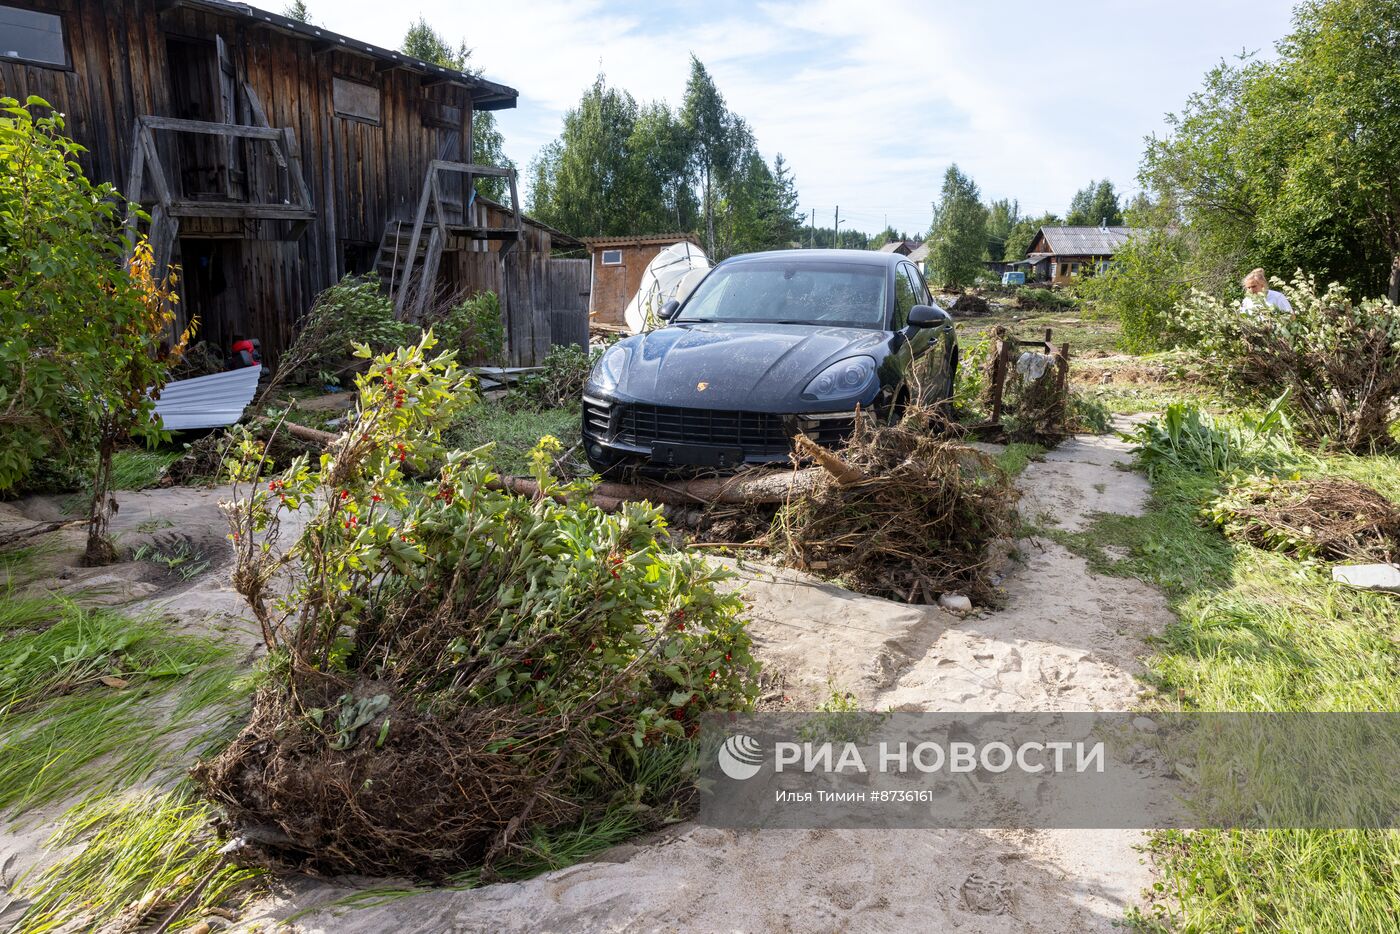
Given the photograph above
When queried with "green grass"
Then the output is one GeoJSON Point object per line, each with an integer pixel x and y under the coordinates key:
{"type": "Point", "coordinates": [90, 701]}
{"type": "Point", "coordinates": [78, 692]}
{"type": "Point", "coordinates": [1017, 457]}
{"type": "Point", "coordinates": [514, 432]}
{"type": "Point", "coordinates": [1258, 631]}
{"type": "Point", "coordinates": [142, 855]}
{"type": "Point", "coordinates": [139, 468]}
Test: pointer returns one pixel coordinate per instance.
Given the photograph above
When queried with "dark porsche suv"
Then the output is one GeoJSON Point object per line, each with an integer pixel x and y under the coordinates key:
{"type": "Point", "coordinates": [769, 345]}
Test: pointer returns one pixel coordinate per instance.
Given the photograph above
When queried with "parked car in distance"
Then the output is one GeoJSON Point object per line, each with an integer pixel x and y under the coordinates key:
{"type": "Point", "coordinates": [769, 345]}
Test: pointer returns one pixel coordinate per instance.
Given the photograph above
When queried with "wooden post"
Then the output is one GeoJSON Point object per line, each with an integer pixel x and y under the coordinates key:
{"type": "Point", "coordinates": [998, 374]}
{"type": "Point", "coordinates": [413, 241]}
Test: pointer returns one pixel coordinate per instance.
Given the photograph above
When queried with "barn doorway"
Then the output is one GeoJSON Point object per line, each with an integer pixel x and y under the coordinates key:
{"type": "Point", "coordinates": [211, 271]}
{"type": "Point", "coordinates": [202, 88]}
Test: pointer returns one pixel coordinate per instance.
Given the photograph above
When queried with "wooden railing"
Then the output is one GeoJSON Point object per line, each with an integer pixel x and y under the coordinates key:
{"type": "Point", "coordinates": [170, 202]}
{"type": "Point", "coordinates": [403, 285]}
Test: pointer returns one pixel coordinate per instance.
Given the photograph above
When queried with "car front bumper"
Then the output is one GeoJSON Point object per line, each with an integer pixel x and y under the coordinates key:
{"type": "Point", "coordinates": [620, 432]}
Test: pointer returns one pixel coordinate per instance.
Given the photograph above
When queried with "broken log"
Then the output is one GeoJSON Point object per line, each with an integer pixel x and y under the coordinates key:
{"type": "Point", "coordinates": [314, 435]}
{"type": "Point", "coordinates": [843, 472]}
{"type": "Point", "coordinates": [767, 486]}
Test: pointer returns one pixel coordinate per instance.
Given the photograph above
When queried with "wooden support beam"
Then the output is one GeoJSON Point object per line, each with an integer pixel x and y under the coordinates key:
{"type": "Point", "coordinates": [241, 210]}
{"type": "Point", "coordinates": [423, 200]}
{"type": "Point", "coordinates": [210, 129]}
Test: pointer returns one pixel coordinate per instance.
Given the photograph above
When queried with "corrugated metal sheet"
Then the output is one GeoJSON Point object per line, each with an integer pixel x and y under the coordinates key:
{"type": "Point", "coordinates": [1086, 241]}
{"type": "Point", "coordinates": [207, 401]}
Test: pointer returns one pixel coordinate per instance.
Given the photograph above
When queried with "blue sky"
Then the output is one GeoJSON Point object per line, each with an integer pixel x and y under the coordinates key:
{"type": "Point", "coordinates": [868, 103]}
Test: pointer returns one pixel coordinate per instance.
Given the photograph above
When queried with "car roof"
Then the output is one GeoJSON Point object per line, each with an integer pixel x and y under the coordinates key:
{"type": "Point", "coordinates": [856, 257]}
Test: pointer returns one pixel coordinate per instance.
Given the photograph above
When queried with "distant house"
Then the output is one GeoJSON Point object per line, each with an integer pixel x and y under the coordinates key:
{"type": "Point", "coordinates": [1061, 254]}
{"type": "Point", "coordinates": [618, 264]}
{"type": "Point", "coordinates": [919, 257]}
{"type": "Point", "coordinates": [902, 247]}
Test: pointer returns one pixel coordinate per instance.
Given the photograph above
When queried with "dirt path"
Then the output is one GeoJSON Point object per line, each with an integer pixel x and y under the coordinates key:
{"type": "Point", "coordinates": [1066, 640]}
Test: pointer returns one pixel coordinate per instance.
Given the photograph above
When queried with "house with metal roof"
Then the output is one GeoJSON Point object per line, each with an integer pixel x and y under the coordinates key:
{"type": "Point", "coordinates": [1061, 254]}
{"type": "Point", "coordinates": [902, 247]}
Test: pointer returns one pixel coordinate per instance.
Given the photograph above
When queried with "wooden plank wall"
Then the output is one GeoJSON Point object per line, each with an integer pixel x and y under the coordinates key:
{"type": "Point", "coordinates": [361, 175]}
{"type": "Point", "coordinates": [566, 291]}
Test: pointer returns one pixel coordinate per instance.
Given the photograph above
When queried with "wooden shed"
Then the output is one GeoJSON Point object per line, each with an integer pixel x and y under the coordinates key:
{"type": "Point", "coordinates": [618, 264]}
{"type": "Point", "coordinates": [274, 157]}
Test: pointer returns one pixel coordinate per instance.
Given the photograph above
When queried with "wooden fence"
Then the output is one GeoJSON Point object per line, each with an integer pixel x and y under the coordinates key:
{"type": "Point", "coordinates": [544, 301]}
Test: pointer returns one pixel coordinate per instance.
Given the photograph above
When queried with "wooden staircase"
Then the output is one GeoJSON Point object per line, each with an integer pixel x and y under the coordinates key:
{"type": "Point", "coordinates": [407, 261]}
{"type": "Point", "coordinates": [391, 260]}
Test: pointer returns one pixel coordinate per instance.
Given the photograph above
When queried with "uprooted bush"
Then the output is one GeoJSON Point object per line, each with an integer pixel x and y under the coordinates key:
{"type": "Point", "coordinates": [1327, 517]}
{"type": "Point", "coordinates": [1338, 359]}
{"type": "Point", "coordinates": [559, 384]}
{"type": "Point", "coordinates": [353, 311]}
{"type": "Point", "coordinates": [456, 670]}
{"type": "Point", "coordinates": [472, 327]}
{"type": "Point", "coordinates": [919, 524]}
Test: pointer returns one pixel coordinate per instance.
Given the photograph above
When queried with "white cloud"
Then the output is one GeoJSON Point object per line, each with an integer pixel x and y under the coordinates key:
{"type": "Point", "coordinates": [869, 104]}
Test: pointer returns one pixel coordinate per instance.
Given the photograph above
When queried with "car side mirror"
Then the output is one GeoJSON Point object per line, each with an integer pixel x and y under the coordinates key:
{"type": "Point", "coordinates": [668, 310]}
{"type": "Point", "coordinates": [928, 316]}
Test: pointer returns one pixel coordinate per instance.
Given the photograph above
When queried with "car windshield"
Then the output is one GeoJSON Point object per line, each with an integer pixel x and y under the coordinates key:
{"type": "Point", "coordinates": [832, 294]}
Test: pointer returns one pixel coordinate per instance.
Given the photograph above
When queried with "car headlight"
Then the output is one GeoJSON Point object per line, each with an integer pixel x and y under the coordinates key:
{"type": "Point", "coordinates": [607, 372]}
{"type": "Point", "coordinates": [844, 379]}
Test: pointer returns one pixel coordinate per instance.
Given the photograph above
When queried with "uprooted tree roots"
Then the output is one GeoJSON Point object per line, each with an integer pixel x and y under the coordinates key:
{"type": "Point", "coordinates": [1329, 518]}
{"type": "Point", "coordinates": [918, 523]}
{"type": "Point", "coordinates": [428, 797]}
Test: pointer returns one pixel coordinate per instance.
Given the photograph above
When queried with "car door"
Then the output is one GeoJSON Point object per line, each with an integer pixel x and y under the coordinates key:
{"type": "Point", "coordinates": [942, 343]}
{"type": "Point", "coordinates": [924, 372]}
{"type": "Point", "coordinates": [907, 339]}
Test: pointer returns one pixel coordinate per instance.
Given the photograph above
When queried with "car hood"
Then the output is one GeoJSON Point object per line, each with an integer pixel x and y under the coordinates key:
{"type": "Point", "coordinates": [762, 367]}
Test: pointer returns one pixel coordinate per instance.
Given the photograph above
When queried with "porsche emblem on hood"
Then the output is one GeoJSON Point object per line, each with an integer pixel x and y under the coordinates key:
{"type": "Point", "coordinates": [701, 386]}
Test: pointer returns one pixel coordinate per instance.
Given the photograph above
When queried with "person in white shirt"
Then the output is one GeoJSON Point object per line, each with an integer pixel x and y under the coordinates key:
{"type": "Point", "coordinates": [1258, 296]}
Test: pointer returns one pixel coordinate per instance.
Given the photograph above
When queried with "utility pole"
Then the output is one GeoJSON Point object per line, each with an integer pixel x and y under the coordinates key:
{"type": "Point", "coordinates": [836, 230]}
{"type": "Point", "coordinates": [811, 228]}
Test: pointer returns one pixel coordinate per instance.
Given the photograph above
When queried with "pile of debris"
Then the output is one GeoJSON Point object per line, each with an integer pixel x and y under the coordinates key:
{"type": "Point", "coordinates": [970, 305]}
{"type": "Point", "coordinates": [1027, 391]}
{"type": "Point", "coordinates": [902, 514]}
{"type": "Point", "coordinates": [900, 511]}
{"type": "Point", "coordinates": [1329, 518]}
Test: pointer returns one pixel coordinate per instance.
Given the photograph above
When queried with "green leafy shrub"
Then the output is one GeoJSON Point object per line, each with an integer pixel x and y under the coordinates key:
{"type": "Point", "coordinates": [353, 311]}
{"type": "Point", "coordinates": [1337, 359]}
{"type": "Point", "coordinates": [1141, 288]}
{"type": "Point", "coordinates": [462, 667]}
{"type": "Point", "coordinates": [1032, 297]}
{"type": "Point", "coordinates": [473, 328]}
{"type": "Point", "coordinates": [1187, 438]}
{"type": "Point", "coordinates": [560, 383]}
{"type": "Point", "coordinates": [1088, 415]}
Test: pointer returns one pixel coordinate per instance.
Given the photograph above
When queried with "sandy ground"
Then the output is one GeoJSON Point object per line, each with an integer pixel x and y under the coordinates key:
{"type": "Point", "coordinates": [1065, 640]}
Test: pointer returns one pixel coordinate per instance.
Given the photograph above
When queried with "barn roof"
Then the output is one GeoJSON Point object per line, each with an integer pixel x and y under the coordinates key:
{"type": "Point", "coordinates": [919, 254]}
{"type": "Point", "coordinates": [486, 95]}
{"type": "Point", "coordinates": [1085, 241]}
{"type": "Point", "coordinates": [899, 246]}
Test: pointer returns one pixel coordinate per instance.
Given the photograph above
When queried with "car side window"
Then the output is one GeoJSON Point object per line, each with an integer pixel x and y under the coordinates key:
{"type": "Point", "coordinates": [922, 296]}
{"type": "Point", "coordinates": [903, 299]}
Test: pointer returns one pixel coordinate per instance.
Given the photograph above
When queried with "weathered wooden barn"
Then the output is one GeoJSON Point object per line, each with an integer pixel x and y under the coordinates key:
{"type": "Point", "coordinates": [275, 157]}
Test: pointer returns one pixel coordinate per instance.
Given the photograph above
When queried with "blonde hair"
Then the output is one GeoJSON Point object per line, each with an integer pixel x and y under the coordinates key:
{"type": "Point", "coordinates": [1256, 275]}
